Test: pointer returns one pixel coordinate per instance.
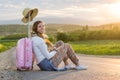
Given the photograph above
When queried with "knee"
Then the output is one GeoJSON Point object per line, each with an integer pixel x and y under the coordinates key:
{"type": "Point", "coordinates": [59, 43]}
{"type": "Point", "coordinates": [67, 44]}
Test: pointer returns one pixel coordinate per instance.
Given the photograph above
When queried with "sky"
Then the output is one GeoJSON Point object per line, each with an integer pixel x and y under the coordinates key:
{"type": "Point", "coordinates": [86, 12]}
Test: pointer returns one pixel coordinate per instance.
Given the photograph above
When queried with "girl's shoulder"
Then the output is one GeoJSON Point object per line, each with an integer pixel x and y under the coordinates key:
{"type": "Point", "coordinates": [37, 38]}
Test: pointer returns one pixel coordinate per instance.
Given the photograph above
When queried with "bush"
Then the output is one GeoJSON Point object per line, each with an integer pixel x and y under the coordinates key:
{"type": "Point", "coordinates": [79, 35]}
{"type": "Point", "coordinates": [62, 36]}
{"type": "Point", "coordinates": [52, 38]}
{"type": "Point", "coordinates": [2, 48]}
{"type": "Point", "coordinates": [14, 36]}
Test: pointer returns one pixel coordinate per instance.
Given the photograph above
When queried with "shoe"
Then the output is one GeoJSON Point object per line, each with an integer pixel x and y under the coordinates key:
{"type": "Point", "coordinates": [69, 66]}
{"type": "Point", "coordinates": [81, 67]}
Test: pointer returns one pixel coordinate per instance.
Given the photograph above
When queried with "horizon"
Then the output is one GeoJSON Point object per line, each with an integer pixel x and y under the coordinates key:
{"type": "Point", "coordinates": [115, 23]}
{"type": "Point", "coordinates": [94, 12]}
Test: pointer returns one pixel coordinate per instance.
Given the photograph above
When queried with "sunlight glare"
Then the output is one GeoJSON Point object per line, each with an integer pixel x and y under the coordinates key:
{"type": "Point", "coordinates": [115, 9]}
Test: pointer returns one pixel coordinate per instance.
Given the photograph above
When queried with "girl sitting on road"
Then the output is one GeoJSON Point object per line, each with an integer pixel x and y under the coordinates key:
{"type": "Point", "coordinates": [49, 61]}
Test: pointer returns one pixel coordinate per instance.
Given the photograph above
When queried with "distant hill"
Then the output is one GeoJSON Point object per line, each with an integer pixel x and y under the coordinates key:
{"type": "Point", "coordinates": [54, 20]}
{"type": "Point", "coordinates": [50, 28]}
{"type": "Point", "coordinates": [53, 28]}
{"type": "Point", "coordinates": [12, 29]}
{"type": "Point", "coordinates": [115, 26]}
{"type": "Point", "coordinates": [112, 24]}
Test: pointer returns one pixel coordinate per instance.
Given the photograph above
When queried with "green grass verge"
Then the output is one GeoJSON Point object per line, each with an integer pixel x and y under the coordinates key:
{"type": "Point", "coordinates": [92, 47]}
{"type": "Point", "coordinates": [97, 47]}
{"type": "Point", "coordinates": [7, 44]}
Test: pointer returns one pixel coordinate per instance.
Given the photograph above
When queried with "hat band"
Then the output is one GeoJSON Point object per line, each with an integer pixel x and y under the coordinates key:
{"type": "Point", "coordinates": [29, 14]}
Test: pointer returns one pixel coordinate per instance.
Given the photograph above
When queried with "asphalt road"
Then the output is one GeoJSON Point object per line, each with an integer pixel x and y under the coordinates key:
{"type": "Point", "coordinates": [99, 68]}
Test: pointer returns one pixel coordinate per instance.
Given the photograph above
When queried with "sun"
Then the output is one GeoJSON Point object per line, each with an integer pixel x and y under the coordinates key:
{"type": "Point", "coordinates": [115, 9]}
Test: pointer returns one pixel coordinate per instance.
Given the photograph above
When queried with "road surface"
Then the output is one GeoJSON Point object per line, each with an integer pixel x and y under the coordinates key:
{"type": "Point", "coordinates": [99, 68]}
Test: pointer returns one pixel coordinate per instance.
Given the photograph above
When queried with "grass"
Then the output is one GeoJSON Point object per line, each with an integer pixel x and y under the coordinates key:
{"type": "Point", "coordinates": [7, 44]}
{"type": "Point", "coordinates": [91, 47]}
{"type": "Point", "coordinates": [97, 47]}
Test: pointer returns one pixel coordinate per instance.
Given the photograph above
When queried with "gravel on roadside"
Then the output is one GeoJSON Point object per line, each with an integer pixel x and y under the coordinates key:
{"type": "Point", "coordinates": [10, 75]}
{"type": "Point", "coordinates": [8, 67]}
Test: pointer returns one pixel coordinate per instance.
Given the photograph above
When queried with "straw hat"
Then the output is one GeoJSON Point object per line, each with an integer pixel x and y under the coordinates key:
{"type": "Point", "coordinates": [33, 13]}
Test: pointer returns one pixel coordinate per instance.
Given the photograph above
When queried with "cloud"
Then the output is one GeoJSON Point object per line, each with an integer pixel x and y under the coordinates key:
{"type": "Point", "coordinates": [111, 1]}
{"type": "Point", "coordinates": [86, 10]}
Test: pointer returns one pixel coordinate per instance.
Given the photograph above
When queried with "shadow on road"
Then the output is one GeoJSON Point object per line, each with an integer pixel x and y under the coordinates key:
{"type": "Point", "coordinates": [44, 75]}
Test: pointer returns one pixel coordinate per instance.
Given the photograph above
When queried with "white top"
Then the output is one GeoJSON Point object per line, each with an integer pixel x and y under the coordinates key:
{"type": "Point", "coordinates": [40, 49]}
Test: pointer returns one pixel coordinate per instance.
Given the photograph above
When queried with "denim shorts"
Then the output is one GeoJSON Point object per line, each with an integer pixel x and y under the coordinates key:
{"type": "Point", "coordinates": [47, 65]}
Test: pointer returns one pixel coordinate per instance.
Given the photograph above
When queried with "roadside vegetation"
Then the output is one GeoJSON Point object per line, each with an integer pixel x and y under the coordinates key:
{"type": "Point", "coordinates": [5, 45]}
{"type": "Point", "coordinates": [91, 40]}
{"type": "Point", "coordinates": [97, 47]}
{"type": "Point", "coordinates": [10, 41]}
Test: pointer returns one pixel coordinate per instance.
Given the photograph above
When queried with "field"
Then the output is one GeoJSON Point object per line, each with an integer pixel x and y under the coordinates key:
{"type": "Point", "coordinates": [9, 34]}
{"type": "Point", "coordinates": [53, 28]}
{"type": "Point", "coordinates": [91, 47]}
{"type": "Point", "coordinates": [91, 40]}
{"type": "Point", "coordinates": [50, 28]}
{"type": "Point", "coordinates": [97, 47]}
{"type": "Point", "coordinates": [7, 44]}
